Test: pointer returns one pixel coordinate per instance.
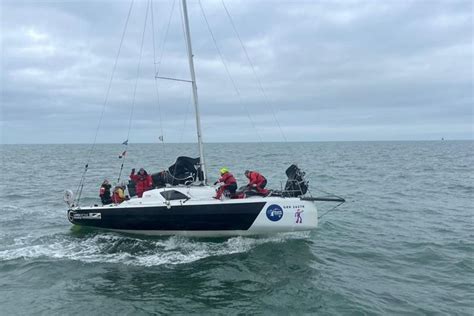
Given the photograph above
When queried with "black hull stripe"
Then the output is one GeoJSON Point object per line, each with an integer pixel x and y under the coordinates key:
{"type": "Point", "coordinates": [185, 217]}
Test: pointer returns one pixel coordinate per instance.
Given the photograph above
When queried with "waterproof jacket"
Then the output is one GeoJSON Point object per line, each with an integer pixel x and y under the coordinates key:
{"type": "Point", "coordinates": [118, 196]}
{"type": "Point", "coordinates": [256, 178]}
{"type": "Point", "coordinates": [104, 193]}
{"type": "Point", "coordinates": [142, 182]}
{"type": "Point", "coordinates": [227, 178]}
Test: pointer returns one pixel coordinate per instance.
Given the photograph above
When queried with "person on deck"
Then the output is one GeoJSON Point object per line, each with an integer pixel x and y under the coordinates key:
{"type": "Point", "coordinates": [228, 183]}
{"type": "Point", "coordinates": [119, 194]}
{"type": "Point", "coordinates": [143, 181]}
{"type": "Point", "coordinates": [256, 182]}
{"type": "Point", "coordinates": [104, 192]}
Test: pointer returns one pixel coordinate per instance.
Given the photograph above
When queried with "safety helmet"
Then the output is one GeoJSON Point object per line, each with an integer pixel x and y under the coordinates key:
{"type": "Point", "coordinates": [224, 170]}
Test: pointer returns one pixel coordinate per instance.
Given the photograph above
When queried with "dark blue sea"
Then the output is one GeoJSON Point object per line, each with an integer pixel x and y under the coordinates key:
{"type": "Point", "coordinates": [402, 244]}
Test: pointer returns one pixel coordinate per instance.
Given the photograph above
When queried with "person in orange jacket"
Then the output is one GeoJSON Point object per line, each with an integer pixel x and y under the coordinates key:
{"type": "Point", "coordinates": [228, 183]}
{"type": "Point", "coordinates": [257, 182]}
{"type": "Point", "coordinates": [142, 180]}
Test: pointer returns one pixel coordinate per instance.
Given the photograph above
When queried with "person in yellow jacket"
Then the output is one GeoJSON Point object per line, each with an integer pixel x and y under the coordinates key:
{"type": "Point", "coordinates": [228, 183]}
{"type": "Point", "coordinates": [119, 195]}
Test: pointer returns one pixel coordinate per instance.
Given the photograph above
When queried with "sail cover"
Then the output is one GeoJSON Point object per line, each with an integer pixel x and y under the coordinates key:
{"type": "Point", "coordinates": [184, 171]}
{"type": "Point", "coordinates": [184, 167]}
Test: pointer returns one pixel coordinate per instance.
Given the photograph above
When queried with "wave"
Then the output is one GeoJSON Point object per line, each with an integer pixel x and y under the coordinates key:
{"type": "Point", "coordinates": [113, 248]}
{"type": "Point", "coordinates": [469, 189]}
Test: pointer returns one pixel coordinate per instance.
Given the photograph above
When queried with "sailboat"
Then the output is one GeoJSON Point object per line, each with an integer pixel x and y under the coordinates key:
{"type": "Point", "coordinates": [187, 207]}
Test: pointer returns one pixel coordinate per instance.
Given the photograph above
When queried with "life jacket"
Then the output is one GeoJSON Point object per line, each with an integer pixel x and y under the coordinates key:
{"type": "Point", "coordinates": [118, 196]}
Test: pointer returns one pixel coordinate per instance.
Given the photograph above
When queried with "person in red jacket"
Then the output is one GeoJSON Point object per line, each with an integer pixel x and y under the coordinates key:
{"type": "Point", "coordinates": [228, 183]}
{"type": "Point", "coordinates": [257, 182]}
{"type": "Point", "coordinates": [143, 181]}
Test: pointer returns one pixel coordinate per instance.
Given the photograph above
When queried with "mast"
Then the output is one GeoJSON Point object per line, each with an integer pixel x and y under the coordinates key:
{"type": "Point", "coordinates": [195, 95]}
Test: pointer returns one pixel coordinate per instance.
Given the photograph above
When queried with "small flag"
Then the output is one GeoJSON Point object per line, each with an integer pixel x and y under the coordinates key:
{"type": "Point", "coordinates": [123, 154]}
{"type": "Point", "coordinates": [125, 142]}
{"type": "Point", "coordinates": [161, 138]}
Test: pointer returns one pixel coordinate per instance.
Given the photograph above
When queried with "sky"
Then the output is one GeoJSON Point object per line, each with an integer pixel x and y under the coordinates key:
{"type": "Point", "coordinates": [319, 71]}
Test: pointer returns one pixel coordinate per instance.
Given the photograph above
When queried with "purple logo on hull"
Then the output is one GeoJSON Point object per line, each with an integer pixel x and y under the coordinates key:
{"type": "Point", "coordinates": [299, 219]}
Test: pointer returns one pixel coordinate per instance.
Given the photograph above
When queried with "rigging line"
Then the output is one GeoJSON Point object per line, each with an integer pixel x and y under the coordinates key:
{"type": "Point", "coordinates": [328, 193]}
{"type": "Point", "coordinates": [156, 83]}
{"type": "Point", "coordinates": [157, 68]}
{"type": "Point", "coordinates": [333, 208]}
{"type": "Point", "coordinates": [182, 26]}
{"type": "Point", "coordinates": [187, 44]}
{"type": "Point", "coordinates": [83, 177]}
{"type": "Point", "coordinates": [330, 210]}
{"type": "Point", "coordinates": [120, 172]}
{"type": "Point", "coordinates": [254, 72]}
{"type": "Point", "coordinates": [135, 87]}
{"type": "Point", "coordinates": [138, 72]}
{"type": "Point", "coordinates": [165, 38]}
{"type": "Point", "coordinates": [183, 29]}
{"type": "Point", "coordinates": [188, 106]}
{"type": "Point", "coordinates": [111, 79]}
{"type": "Point", "coordinates": [229, 75]}
{"type": "Point", "coordinates": [191, 90]}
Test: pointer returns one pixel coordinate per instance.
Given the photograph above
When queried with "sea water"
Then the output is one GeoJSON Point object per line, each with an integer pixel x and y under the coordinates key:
{"type": "Point", "coordinates": [401, 244]}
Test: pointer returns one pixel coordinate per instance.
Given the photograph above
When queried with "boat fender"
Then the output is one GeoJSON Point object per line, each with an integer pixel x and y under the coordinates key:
{"type": "Point", "coordinates": [70, 216]}
{"type": "Point", "coordinates": [168, 204]}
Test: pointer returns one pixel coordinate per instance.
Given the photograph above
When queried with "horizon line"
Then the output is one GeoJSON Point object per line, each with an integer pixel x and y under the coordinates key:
{"type": "Point", "coordinates": [266, 142]}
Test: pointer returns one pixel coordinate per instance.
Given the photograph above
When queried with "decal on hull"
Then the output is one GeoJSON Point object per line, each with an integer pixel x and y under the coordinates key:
{"type": "Point", "coordinates": [75, 216]}
{"type": "Point", "coordinates": [274, 212]}
{"type": "Point", "coordinates": [299, 219]}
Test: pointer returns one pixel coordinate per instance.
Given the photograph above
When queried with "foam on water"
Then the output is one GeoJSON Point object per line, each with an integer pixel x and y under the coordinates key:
{"type": "Point", "coordinates": [114, 248]}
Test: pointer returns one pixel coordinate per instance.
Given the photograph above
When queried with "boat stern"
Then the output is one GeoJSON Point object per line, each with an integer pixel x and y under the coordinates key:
{"type": "Point", "coordinates": [286, 215]}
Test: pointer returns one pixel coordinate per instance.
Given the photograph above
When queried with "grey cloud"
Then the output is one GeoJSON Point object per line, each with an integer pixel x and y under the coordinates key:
{"type": "Point", "coordinates": [332, 70]}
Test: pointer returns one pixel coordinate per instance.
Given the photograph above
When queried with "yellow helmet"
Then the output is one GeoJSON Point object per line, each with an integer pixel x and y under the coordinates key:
{"type": "Point", "coordinates": [224, 170]}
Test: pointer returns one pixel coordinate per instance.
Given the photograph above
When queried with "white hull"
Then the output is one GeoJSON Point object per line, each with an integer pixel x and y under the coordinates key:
{"type": "Point", "coordinates": [200, 216]}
